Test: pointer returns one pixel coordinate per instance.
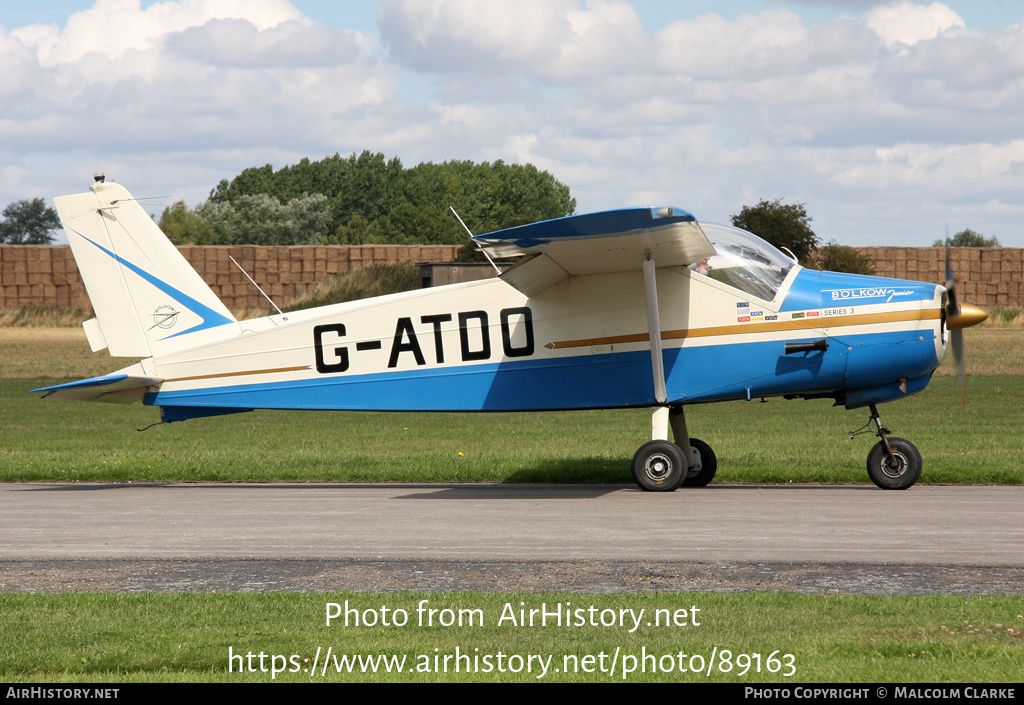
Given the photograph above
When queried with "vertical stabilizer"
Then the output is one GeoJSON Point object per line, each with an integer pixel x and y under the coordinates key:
{"type": "Point", "coordinates": [148, 299]}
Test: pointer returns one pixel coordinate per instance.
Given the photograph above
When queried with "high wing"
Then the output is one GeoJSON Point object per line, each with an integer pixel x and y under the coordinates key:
{"type": "Point", "coordinates": [597, 243]}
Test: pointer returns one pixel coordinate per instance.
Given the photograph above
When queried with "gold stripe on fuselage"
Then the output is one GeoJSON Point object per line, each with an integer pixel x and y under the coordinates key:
{"type": "Point", "coordinates": [814, 322]}
{"type": "Point", "coordinates": [236, 374]}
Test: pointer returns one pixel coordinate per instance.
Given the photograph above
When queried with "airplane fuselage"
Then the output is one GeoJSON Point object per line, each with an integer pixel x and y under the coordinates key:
{"type": "Point", "coordinates": [485, 346]}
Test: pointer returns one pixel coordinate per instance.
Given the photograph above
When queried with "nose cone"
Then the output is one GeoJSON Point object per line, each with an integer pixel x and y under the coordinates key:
{"type": "Point", "coordinates": [966, 317]}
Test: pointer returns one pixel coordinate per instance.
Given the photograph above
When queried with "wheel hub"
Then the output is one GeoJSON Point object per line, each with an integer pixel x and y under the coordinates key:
{"type": "Point", "coordinates": [894, 466]}
{"type": "Point", "coordinates": [658, 467]}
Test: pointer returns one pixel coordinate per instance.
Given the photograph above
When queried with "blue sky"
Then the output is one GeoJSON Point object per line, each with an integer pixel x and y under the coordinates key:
{"type": "Point", "coordinates": [891, 121]}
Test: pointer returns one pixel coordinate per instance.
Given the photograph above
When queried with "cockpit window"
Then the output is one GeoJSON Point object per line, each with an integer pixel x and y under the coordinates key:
{"type": "Point", "coordinates": [744, 261]}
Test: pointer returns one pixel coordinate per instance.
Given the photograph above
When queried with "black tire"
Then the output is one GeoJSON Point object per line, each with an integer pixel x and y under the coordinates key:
{"type": "Point", "coordinates": [899, 475]}
{"type": "Point", "coordinates": [709, 465]}
{"type": "Point", "coordinates": [658, 466]}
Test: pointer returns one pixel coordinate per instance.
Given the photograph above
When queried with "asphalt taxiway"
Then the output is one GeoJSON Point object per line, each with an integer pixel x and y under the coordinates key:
{"type": "Point", "coordinates": [941, 534]}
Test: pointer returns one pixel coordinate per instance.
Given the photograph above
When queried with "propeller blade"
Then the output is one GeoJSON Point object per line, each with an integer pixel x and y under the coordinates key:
{"type": "Point", "coordinates": [956, 340]}
{"type": "Point", "coordinates": [958, 317]}
{"type": "Point", "coordinates": [952, 306]}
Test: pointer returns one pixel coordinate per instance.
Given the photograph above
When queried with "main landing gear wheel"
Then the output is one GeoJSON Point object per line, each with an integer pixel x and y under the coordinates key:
{"type": "Point", "coordinates": [705, 473]}
{"type": "Point", "coordinates": [898, 472]}
{"type": "Point", "coordinates": [659, 466]}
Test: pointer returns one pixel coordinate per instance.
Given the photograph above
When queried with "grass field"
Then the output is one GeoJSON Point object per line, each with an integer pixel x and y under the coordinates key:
{"type": "Point", "coordinates": [87, 637]}
{"type": "Point", "coordinates": [779, 441]}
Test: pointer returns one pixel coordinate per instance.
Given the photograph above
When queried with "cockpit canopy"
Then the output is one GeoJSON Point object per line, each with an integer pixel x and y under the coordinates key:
{"type": "Point", "coordinates": [743, 261]}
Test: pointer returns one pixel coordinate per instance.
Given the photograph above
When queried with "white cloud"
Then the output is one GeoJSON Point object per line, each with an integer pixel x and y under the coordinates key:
{"type": "Point", "coordinates": [118, 77]}
{"type": "Point", "coordinates": [710, 46]}
{"type": "Point", "coordinates": [113, 27]}
{"type": "Point", "coordinates": [468, 35]}
{"type": "Point", "coordinates": [552, 41]}
{"type": "Point", "coordinates": [986, 69]}
{"type": "Point", "coordinates": [885, 119]}
{"type": "Point", "coordinates": [906, 23]}
{"type": "Point", "coordinates": [237, 42]}
{"type": "Point", "coordinates": [956, 173]}
{"type": "Point", "coordinates": [21, 72]}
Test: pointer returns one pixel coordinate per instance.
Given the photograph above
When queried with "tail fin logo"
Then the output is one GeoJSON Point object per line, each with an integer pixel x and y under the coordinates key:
{"type": "Point", "coordinates": [165, 317]}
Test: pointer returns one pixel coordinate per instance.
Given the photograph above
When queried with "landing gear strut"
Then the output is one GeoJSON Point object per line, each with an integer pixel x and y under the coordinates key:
{"type": "Point", "coordinates": [894, 463]}
{"type": "Point", "coordinates": [661, 466]}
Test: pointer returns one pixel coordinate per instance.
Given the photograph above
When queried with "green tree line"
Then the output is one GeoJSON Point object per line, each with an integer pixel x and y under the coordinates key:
{"type": "Point", "coordinates": [787, 225]}
{"type": "Point", "coordinates": [366, 198]}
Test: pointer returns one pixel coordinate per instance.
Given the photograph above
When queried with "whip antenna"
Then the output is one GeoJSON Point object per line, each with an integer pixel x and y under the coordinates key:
{"type": "Point", "coordinates": [257, 286]}
{"type": "Point", "coordinates": [478, 249]}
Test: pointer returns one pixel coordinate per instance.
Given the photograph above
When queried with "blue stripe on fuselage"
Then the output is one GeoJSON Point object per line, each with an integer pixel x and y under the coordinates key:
{"type": "Point", "coordinates": [710, 373]}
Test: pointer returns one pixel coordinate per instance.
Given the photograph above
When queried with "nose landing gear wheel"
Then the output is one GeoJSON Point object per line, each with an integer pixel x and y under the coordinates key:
{"type": "Point", "coordinates": [898, 472]}
{"type": "Point", "coordinates": [659, 466]}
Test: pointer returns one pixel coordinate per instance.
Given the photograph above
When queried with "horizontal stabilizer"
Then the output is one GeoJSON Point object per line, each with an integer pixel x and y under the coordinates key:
{"type": "Point", "coordinates": [116, 388]}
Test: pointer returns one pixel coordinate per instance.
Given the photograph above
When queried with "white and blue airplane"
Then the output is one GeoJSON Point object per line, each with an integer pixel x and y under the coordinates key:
{"type": "Point", "coordinates": [640, 307]}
